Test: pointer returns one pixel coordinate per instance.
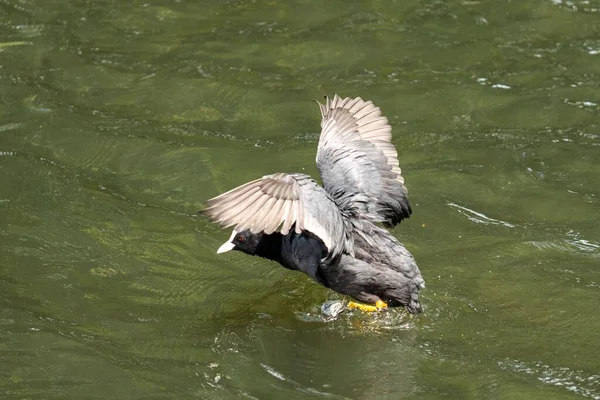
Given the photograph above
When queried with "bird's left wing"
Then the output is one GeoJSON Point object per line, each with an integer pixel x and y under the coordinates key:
{"type": "Point", "coordinates": [355, 155]}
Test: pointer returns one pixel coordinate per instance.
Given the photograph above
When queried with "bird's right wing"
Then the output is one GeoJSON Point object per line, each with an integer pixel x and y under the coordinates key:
{"type": "Point", "coordinates": [279, 202]}
{"type": "Point", "coordinates": [355, 156]}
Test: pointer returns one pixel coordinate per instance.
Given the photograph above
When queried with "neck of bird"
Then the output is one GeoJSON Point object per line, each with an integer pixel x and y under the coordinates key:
{"type": "Point", "coordinates": [269, 247]}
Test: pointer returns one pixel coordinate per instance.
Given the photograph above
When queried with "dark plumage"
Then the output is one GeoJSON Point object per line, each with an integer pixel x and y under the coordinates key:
{"type": "Point", "coordinates": [331, 233]}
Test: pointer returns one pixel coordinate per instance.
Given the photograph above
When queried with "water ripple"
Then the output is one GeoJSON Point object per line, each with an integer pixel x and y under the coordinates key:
{"type": "Point", "coordinates": [478, 217]}
{"type": "Point", "coordinates": [579, 382]}
{"type": "Point", "coordinates": [308, 390]}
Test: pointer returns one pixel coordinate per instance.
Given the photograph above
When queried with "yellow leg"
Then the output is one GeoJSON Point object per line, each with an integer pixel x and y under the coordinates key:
{"type": "Point", "coordinates": [380, 305]}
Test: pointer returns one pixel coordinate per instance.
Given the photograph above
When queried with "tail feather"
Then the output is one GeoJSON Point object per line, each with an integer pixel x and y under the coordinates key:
{"type": "Point", "coordinates": [406, 295]}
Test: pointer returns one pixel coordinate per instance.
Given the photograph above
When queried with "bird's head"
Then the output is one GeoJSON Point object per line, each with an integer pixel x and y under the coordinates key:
{"type": "Point", "coordinates": [245, 241]}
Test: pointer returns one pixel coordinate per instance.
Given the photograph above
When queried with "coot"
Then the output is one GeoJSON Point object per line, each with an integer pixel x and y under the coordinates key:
{"type": "Point", "coordinates": [334, 233]}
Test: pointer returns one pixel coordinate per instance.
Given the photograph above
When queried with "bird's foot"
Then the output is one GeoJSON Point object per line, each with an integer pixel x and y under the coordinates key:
{"type": "Point", "coordinates": [379, 306]}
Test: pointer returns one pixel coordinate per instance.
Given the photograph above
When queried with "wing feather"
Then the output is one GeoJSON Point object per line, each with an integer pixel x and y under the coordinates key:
{"type": "Point", "coordinates": [287, 217]}
{"type": "Point", "coordinates": [279, 201]}
{"type": "Point", "coordinates": [355, 155]}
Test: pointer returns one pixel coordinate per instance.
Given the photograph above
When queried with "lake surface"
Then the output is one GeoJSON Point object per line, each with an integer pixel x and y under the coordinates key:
{"type": "Point", "coordinates": [119, 119]}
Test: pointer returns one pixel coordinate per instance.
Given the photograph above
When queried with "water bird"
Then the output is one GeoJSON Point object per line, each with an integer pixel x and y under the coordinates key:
{"type": "Point", "coordinates": [334, 233]}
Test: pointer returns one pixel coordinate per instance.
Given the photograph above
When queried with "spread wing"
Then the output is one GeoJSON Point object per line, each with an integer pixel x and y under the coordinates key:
{"type": "Point", "coordinates": [355, 155]}
{"type": "Point", "coordinates": [279, 202]}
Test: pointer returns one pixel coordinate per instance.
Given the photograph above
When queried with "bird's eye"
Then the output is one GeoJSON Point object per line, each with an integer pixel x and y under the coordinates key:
{"type": "Point", "coordinates": [241, 239]}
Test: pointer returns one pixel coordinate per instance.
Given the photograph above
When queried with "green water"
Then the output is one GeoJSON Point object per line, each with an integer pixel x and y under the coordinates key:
{"type": "Point", "coordinates": [119, 119]}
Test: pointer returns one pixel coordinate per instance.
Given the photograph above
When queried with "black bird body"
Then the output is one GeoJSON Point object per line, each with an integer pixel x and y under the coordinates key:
{"type": "Point", "coordinates": [333, 233]}
{"type": "Point", "coordinates": [388, 273]}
